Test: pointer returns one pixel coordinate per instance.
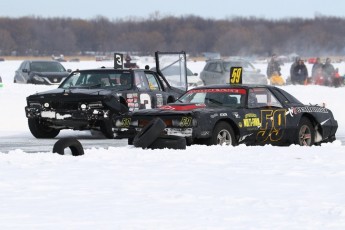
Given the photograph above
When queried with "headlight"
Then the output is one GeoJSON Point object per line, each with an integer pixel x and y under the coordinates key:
{"type": "Point", "coordinates": [38, 78]}
{"type": "Point", "coordinates": [83, 106]}
{"type": "Point", "coordinates": [46, 105]}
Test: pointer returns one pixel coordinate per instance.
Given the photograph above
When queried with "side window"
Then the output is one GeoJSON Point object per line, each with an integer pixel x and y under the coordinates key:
{"type": "Point", "coordinates": [141, 81]}
{"type": "Point", "coordinates": [218, 68]}
{"type": "Point", "coordinates": [153, 83]}
{"type": "Point", "coordinates": [262, 97]}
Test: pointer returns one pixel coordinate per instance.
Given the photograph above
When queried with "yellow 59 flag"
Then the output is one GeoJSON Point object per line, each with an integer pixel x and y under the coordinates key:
{"type": "Point", "coordinates": [235, 75]}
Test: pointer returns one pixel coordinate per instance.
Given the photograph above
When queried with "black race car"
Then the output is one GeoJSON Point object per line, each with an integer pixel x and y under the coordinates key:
{"type": "Point", "coordinates": [87, 99]}
{"type": "Point", "coordinates": [235, 114]}
{"type": "Point", "coordinates": [41, 72]}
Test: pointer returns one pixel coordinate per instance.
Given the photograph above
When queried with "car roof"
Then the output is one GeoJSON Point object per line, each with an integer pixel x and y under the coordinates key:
{"type": "Point", "coordinates": [228, 86]}
{"type": "Point", "coordinates": [41, 61]}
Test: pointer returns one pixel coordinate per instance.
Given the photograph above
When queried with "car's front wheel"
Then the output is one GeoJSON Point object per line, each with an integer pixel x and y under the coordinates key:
{"type": "Point", "coordinates": [39, 130]}
{"type": "Point", "coordinates": [305, 132]}
{"type": "Point", "coordinates": [223, 134]}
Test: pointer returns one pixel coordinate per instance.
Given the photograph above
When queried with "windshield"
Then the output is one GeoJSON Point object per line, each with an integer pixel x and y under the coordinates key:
{"type": "Point", "coordinates": [215, 97]}
{"type": "Point", "coordinates": [120, 80]}
{"type": "Point", "coordinates": [47, 67]}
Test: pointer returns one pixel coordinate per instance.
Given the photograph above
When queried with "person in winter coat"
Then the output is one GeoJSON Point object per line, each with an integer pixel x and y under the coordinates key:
{"type": "Point", "coordinates": [328, 71]}
{"type": "Point", "coordinates": [315, 69]}
{"type": "Point", "coordinates": [273, 66]}
{"type": "Point", "coordinates": [299, 73]}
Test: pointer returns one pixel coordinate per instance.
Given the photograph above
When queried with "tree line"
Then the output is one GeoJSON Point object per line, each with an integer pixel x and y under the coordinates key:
{"type": "Point", "coordinates": [238, 36]}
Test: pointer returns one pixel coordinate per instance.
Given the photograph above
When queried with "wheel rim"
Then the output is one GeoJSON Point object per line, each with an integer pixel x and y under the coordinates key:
{"type": "Point", "coordinates": [305, 136]}
{"type": "Point", "coordinates": [224, 137]}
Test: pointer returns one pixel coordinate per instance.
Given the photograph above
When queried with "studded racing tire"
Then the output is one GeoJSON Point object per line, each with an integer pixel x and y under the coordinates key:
{"type": "Point", "coordinates": [149, 133]}
{"type": "Point", "coordinates": [305, 133]}
{"type": "Point", "coordinates": [73, 144]}
{"type": "Point", "coordinates": [169, 142]}
{"type": "Point", "coordinates": [41, 131]}
{"type": "Point", "coordinates": [223, 134]}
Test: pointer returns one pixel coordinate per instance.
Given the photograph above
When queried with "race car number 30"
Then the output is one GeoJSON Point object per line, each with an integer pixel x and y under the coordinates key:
{"type": "Point", "coordinates": [236, 75]}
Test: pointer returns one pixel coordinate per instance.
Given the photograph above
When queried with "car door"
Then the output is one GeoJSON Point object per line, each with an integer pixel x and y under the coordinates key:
{"type": "Point", "coordinates": [151, 94]}
{"type": "Point", "coordinates": [265, 117]}
{"type": "Point", "coordinates": [213, 74]}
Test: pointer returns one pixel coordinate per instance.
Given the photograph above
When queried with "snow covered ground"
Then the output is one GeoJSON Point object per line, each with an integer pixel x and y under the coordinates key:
{"type": "Point", "coordinates": [217, 187]}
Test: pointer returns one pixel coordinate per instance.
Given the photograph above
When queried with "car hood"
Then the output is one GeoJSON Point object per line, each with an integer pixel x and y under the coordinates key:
{"type": "Point", "coordinates": [107, 97]}
{"type": "Point", "coordinates": [71, 93]}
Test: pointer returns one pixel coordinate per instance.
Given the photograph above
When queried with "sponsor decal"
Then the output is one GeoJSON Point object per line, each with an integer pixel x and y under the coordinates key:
{"type": "Point", "coordinates": [251, 120]}
{"type": "Point", "coordinates": [159, 98]}
{"type": "Point", "coordinates": [223, 114]}
{"type": "Point", "coordinates": [236, 115]}
{"type": "Point", "coordinates": [205, 133]}
{"type": "Point", "coordinates": [307, 109]}
{"type": "Point", "coordinates": [214, 115]}
{"type": "Point", "coordinates": [240, 124]}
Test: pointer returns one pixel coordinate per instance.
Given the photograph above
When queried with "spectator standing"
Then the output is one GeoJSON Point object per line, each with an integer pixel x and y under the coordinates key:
{"type": "Point", "coordinates": [328, 72]}
{"type": "Point", "coordinates": [293, 65]}
{"type": "Point", "coordinates": [273, 66]}
{"type": "Point", "coordinates": [299, 73]}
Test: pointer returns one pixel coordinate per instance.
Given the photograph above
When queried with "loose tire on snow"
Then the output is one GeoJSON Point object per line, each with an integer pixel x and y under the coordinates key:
{"type": "Point", "coordinates": [305, 132]}
{"type": "Point", "coordinates": [223, 134]}
{"type": "Point", "coordinates": [73, 144]}
{"type": "Point", "coordinates": [149, 133]}
{"type": "Point", "coordinates": [40, 131]}
{"type": "Point", "coordinates": [169, 142]}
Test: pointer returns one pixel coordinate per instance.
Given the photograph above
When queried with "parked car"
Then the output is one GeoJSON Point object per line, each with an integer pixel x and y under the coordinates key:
{"type": "Point", "coordinates": [170, 72]}
{"type": "Point", "coordinates": [87, 99]}
{"type": "Point", "coordinates": [40, 72]}
{"type": "Point", "coordinates": [217, 71]}
{"type": "Point", "coordinates": [235, 114]}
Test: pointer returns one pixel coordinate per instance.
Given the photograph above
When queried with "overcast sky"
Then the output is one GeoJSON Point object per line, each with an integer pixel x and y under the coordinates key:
{"type": "Point", "coordinates": [213, 9]}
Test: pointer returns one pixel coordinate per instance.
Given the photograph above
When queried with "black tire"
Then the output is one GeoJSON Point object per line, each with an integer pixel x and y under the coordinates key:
{"type": "Point", "coordinates": [73, 144]}
{"type": "Point", "coordinates": [41, 131]}
{"type": "Point", "coordinates": [106, 128]}
{"type": "Point", "coordinates": [223, 134]}
{"type": "Point", "coordinates": [149, 133]}
{"type": "Point", "coordinates": [305, 133]}
{"type": "Point", "coordinates": [169, 142]}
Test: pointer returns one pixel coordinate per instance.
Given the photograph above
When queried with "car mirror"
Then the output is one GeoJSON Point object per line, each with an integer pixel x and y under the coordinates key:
{"type": "Point", "coordinates": [195, 74]}
{"type": "Point", "coordinates": [69, 70]}
{"type": "Point", "coordinates": [25, 70]}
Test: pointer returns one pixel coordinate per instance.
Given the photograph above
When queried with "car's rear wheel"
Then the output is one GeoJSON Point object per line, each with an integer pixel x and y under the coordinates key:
{"type": "Point", "coordinates": [39, 130]}
{"type": "Point", "coordinates": [306, 132]}
{"type": "Point", "coordinates": [223, 134]}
